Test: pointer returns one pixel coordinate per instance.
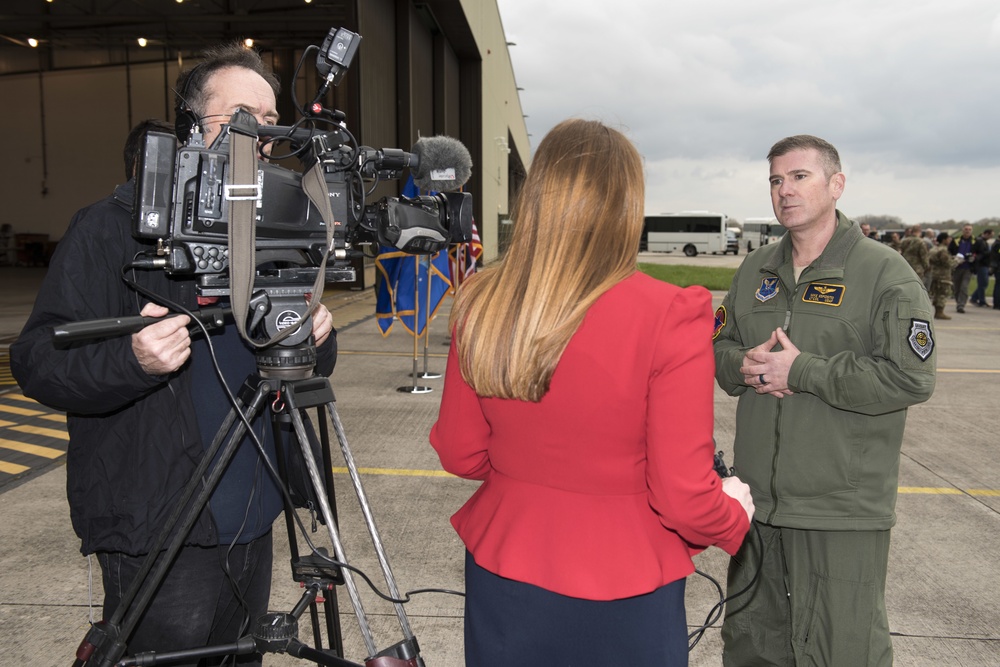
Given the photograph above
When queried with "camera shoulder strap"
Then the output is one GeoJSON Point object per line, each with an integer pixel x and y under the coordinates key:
{"type": "Point", "coordinates": [243, 192]}
{"type": "Point", "coordinates": [314, 185]}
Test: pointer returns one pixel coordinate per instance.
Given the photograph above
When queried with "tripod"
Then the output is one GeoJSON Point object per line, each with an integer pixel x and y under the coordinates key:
{"type": "Point", "coordinates": [285, 376]}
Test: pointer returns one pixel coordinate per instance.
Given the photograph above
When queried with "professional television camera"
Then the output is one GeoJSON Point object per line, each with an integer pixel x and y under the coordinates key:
{"type": "Point", "coordinates": [268, 235]}
{"type": "Point", "coordinates": [184, 194]}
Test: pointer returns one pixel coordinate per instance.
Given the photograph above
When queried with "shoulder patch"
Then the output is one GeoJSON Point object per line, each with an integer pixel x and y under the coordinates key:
{"type": "Point", "coordinates": [720, 321]}
{"type": "Point", "coordinates": [768, 289]}
{"type": "Point", "coordinates": [920, 338]}
{"type": "Point", "coordinates": [827, 294]}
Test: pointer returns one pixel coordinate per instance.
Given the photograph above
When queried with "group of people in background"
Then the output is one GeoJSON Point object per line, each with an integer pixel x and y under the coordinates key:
{"type": "Point", "coordinates": [947, 266]}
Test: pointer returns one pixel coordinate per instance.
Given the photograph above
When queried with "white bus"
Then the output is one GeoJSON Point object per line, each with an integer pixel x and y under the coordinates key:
{"type": "Point", "coordinates": [761, 231]}
{"type": "Point", "coordinates": [691, 232]}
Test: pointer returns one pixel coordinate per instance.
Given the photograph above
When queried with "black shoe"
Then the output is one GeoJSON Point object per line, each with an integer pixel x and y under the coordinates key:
{"type": "Point", "coordinates": [980, 303]}
{"type": "Point", "coordinates": [960, 309]}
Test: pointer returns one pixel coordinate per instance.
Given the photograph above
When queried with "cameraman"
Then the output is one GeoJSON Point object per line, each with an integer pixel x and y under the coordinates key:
{"type": "Point", "coordinates": [141, 410]}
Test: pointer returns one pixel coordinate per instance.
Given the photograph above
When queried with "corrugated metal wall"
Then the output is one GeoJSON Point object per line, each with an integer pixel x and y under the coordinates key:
{"type": "Point", "coordinates": [409, 79]}
{"type": "Point", "coordinates": [418, 73]}
{"type": "Point", "coordinates": [376, 124]}
{"type": "Point", "coordinates": [447, 98]}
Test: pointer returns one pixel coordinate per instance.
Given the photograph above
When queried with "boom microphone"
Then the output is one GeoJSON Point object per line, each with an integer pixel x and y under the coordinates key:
{"type": "Point", "coordinates": [443, 164]}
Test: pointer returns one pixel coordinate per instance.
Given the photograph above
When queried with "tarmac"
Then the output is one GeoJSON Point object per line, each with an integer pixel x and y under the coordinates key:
{"type": "Point", "coordinates": [944, 561]}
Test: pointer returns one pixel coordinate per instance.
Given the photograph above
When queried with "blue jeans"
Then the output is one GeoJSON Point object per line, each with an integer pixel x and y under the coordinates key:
{"type": "Point", "coordinates": [196, 605]}
{"type": "Point", "coordinates": [982, 280]}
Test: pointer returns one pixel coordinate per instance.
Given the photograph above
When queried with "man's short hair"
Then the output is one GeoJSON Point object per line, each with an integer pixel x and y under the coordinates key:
{"type": "Point", "coordinates": [942, 237]}
{"type": "Point", "coordinates": [190, 87]}
{"type": "Point", "coordinates": [137, 137]}
{"type": "Point", "coordinates": [827, 153]}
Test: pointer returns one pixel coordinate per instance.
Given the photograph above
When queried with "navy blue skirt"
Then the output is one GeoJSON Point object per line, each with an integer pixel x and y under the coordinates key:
{"type": "Point", "coordinates": [512, 623]}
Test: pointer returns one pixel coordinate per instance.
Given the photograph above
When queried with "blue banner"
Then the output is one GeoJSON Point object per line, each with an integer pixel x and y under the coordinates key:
{"type": "Point", "coordinates": [403, 282]}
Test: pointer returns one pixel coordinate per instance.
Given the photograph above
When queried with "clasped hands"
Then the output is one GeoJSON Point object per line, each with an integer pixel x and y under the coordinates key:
{"type": "Point", "coordinates": [766, 370]}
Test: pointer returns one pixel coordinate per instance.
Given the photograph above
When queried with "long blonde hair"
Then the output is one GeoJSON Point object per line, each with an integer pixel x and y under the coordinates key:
{"type": "Point", "coordinates": [577, 223]}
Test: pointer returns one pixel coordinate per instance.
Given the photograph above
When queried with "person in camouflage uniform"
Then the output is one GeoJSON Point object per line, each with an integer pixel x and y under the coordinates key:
{"type": "Point", "coordinates": [915, 252]}
{"type": "Point", "coordinates": [941, 264]}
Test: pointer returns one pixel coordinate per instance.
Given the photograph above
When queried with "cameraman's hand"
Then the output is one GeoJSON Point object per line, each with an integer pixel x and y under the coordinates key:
{"type": "Point", "coordinates": [162, 347]}
{"type": "Point", "coordinates": [322, 324]}
{"type": "Point", "coordinates": [738, 489]}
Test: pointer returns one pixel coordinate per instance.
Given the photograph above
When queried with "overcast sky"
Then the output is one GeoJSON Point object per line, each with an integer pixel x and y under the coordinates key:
{"type": "Point", "coordinates": [908, 91]}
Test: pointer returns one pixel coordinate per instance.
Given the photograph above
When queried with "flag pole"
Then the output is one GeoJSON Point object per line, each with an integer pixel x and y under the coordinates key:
{"type": "Point", "coordinates": [427, 375]}
{"type": "Point", "coordinates": [415, 388]}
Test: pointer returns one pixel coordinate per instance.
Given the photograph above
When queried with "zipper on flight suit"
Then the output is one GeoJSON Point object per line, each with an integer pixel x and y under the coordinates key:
{"type": "Point", "coordinates": [777, 419]}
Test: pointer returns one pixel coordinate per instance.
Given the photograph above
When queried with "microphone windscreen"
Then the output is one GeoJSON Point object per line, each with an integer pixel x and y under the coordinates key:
{"type": "Point", "coordinates": [445, 164]}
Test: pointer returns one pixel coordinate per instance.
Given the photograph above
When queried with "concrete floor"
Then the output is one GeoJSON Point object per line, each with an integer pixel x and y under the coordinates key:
{"type": "Point", "coordinates": [945, 556]}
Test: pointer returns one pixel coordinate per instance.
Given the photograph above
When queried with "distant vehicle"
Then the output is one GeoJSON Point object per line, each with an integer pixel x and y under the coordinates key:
{"type": "Point", "coordinates": [732, 242]}
{"type": "Point", "coordinates": [885, 235]}
{"type": "Point", "coordinates": [761, 231]}
{"type": "Point", "coordinates": [691, 232]}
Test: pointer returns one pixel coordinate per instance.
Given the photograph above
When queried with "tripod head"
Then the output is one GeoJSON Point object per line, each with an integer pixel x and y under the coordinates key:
{"type": "Point", "coordinates": [274, 311]}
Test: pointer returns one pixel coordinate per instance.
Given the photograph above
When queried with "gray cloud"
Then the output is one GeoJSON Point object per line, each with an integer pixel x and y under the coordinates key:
{"type": "Point", "coordinates": [907, 91]}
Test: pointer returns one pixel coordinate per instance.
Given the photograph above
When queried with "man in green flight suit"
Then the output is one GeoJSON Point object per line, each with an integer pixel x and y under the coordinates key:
{"type": "Point", "coordinates": [826, 340]}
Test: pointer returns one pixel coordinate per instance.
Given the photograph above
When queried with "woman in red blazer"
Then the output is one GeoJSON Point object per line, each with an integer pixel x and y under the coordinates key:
{"type": "Point", "coordinates": [581, 393]}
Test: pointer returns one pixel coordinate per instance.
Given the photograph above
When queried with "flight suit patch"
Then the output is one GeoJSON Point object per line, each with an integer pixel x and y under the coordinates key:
{"type": "Point", "coordinates": [768, 289]}
{"type": "Point", "coordinates": [826, 294]}
{"type": "Point", "coordinates": [920, 338]}
{"type": "Point", "coordinates": [720, 321]}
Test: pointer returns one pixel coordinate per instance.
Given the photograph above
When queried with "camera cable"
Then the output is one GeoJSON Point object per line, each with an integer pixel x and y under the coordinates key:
{"type": "Point", "coordinates": [271, 468]}
{"type": "Point", "coordinates": [719, 465]}
{"type": "Point", "coordinates": [715, 613]}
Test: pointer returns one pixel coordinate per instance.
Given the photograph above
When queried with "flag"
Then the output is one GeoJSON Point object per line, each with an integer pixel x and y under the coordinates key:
{"type": "Point", "coordinates": [463, 259]}
{"type": "Point", "coordinates": [403, 284]}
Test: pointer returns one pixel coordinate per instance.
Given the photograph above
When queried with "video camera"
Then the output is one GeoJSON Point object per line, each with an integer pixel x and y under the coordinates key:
{"type": "Point", "coordinates": [183, 194]}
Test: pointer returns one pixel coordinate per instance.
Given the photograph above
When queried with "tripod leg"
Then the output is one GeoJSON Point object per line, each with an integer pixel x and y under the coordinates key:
{"type": "Point", "coordinates": [331, 606]}
{"type": "Point", "coordinates": [383, 560]}
{"type": "Point", "coordinates": [300, 565]}
{"type": "Point", "coordinates": [127, 615]}
{"type": "Point", "coordinates": [317, 392]}
{"type": "Point", "coordinates": [325, 510]}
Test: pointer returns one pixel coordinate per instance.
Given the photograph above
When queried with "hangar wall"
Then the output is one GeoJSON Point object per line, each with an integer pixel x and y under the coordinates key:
{"type": "Point", "coordinates": [424, 68]}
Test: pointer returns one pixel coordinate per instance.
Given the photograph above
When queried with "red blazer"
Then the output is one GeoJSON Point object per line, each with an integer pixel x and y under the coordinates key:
{"type": "Point", "coordinates": [605, 488]}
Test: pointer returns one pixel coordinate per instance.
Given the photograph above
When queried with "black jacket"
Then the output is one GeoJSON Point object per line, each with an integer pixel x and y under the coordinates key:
{"type": "Point", "coordinates": [977, 257]}
{"type": "Point", "coordinates": [134, 438]}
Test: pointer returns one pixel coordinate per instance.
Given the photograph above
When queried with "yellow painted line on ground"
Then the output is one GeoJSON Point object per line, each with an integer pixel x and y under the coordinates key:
{"type": "Point", "coordinates": [955, 327]}
{"type": "Point", "coordinates": [396, 471]}
{"type": "Point", "coordinates": [440, 355]}
{"type": "Point", "coordinates": [38, 430]}
{"type": "Point", "coordinates": [5, 423]}
{"type": "Point", "coordinates": [967, 370]}
{"type": "Point", "coordinates": [12, 468]}
{"type": "Point", "coordinates": [59, 418]}
{"type": "Point", "coordinates": [403, 472]}
{"type": "Point", "coordinates": [20, 397]}
{"type": "Point", "coordinates": [34, 450]}
{"type": "Point", "coordinates": [24, 412]}
{"type": "Point", "coordinates": [943, 491]}
{"type": "Point", "coordinates": [948, 491]}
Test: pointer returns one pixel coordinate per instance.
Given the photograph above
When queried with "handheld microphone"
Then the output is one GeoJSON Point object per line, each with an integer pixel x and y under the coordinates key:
{"type": "Point", "coordinates": [443, 164]}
